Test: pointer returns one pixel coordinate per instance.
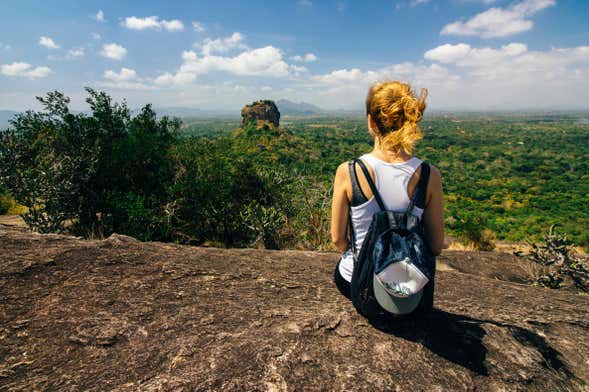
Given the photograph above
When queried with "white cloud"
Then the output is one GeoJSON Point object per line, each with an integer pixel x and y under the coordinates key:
{"type": "Point", "coordinates": [221, 45]}
{"type": "Point", "coordinates": [152, 22]}
{"type": "Point", "coordinates": [414, 3]}
{"type": "Point", "coordinates": [167, 78]}
{"type": "Point", "coordinates": [96, 36]}
{"type": "Point", "coordinates": [461, 76]}
{"type": "Point", "coordinates": [198, 27]}
{"type": "Point", "coordinates": [307, 58]}
{"type": "Point", "coordinates": [447, 53]}
{"type": "Point", "coordinates": [72, 54]}
{"type": "Point", "coordinates": [172, 25]}
{"type": "Point", "coordinates": [48, 43]}
{"type": "Point", "coordinates": [512, 60]}
{"type": "Point", "coordinates": [298, 70]}
{"type": "Point", "coordinates": [403, 71]}
{"type": "Point", "coordinates": [464, 55]}
{"type": "Point", "coordinates": [512, 76]}
{"type": "Point", "coordinates": [99, 16]}
{"type": "Point", "coordinates": [266, 61]}
{"type": "Point", "coordinates": [126, 79]}
{"type": "Point", "coordinates": [127, 86]}
{"type": "Point", "coordinates": [499, 22]}
{"type": "Point", "coordinates": [75, 53]}
{"type": "Point", "coordinates": [347, 87]}
{"type": "Point", "coordinates": [24, 70]}
{"type": "Point", "coordinates": [113, 51]}
{"type": "Point", "coordinates": [126, 74]}
{"type": "Point", "coordinates": [347, 75]}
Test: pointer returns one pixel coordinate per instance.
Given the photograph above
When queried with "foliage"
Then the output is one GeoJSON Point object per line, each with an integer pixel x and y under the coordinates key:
{"type": "Point", "coordinates": [311, 221]}
{"type": "Point", "coordinates": [558, 262]}
{"type": "Point", "coordinates": [472, 230]}
{"type": "Point", "coordinates": [68, 168]}
{"type": "Point", "coordinates": [5, 203]}
{"type": "Point", "coordinates": [46, 163]}
{"type": "Point", "coordinates": [505, 177]}
{"type": "Point", "coordinates": [516, 173]}
{"type": "Point", "coordinates": [220, 195]}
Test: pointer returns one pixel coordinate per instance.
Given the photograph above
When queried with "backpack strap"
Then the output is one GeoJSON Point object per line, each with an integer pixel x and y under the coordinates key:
{"type": "Point", "coordinates": [358, 196]}
{"type": "Point", "coordinates": [420, 193]}
{"type": "Point", "coordinates": [371, 183]}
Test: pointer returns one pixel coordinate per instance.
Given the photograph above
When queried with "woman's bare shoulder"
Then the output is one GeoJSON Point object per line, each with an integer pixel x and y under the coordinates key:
{"type": "Point", "coordinates": [342, 179]}
{"type": "Point", "coordinates": [434, 173]}
{"type": "Point", "coordinates": [435, 181]}
{"type": "Point", "coordinates": [342, 171]}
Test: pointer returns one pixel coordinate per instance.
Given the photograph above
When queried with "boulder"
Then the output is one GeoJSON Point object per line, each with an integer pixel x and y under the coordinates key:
{"type": "Point", "coordinates": [143, 316]}
{"type": "Point", "coordinates": [261, 112]}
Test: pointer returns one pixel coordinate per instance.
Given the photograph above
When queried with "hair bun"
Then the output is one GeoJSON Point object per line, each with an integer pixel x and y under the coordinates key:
{"type": "Point", "coordinates": [396, 111]}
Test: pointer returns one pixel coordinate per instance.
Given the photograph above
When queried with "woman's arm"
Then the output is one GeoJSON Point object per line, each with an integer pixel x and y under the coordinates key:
{"type": "Point", "coordinates": [339, 208]}
{"type": "Point", "coordinates": [433, 216]}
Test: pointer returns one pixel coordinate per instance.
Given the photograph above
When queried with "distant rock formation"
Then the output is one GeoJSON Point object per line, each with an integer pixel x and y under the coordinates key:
{"type": "Point", "coordinates": [261, 112]}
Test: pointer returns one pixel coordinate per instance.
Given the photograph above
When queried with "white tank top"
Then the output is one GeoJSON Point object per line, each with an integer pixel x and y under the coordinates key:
{"type": "Point", "coordinates": [391, 180]}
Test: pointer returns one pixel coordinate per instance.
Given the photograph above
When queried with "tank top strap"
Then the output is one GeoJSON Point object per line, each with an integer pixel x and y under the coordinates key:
{"type": "Point", "coordinates": [371, 160]}
{"type": "Point", "coordinates": [374, 163]}
{"type": "Point", "coordinates": [413, 163]}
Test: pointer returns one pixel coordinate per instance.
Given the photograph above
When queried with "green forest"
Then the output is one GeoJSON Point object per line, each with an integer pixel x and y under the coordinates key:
{"type": "Point", "coordinates": [211, 181]}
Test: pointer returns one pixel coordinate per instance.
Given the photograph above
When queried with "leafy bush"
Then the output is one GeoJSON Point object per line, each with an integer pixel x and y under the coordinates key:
{"type": "Point", "coordinates": [136, 218]}
{"type": "Point", "coordinates": [69, 168]}
{"type": "Point", "coordinates": [471, 230]}
{"type": "Point", "coordinates": [5, 204]}
{"type": "Point", "coordinates": [310, 225]}
{"type": "Point", "coordinates": [109, 171]}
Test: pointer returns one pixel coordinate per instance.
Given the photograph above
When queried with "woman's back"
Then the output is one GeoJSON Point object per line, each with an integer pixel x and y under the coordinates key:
{"type": "Point", "coordinates": [392, 181]}
{"type": "Point", "coordinates": [392, 113]}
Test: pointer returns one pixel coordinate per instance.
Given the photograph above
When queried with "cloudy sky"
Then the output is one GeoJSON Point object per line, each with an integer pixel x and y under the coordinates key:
{"type": "Point", "coordinates": [470, 54]}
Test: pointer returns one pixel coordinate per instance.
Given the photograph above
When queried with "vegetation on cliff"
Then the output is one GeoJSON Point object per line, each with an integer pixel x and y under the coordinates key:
{"type": "Point", "coordinates": [505, 178]}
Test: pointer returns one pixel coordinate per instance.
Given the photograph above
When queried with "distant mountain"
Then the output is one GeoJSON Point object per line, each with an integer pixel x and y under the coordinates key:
{"type": "Point", "coordinates": [5, 115]}
{"type": "Point", "coordinates": [286, 107]}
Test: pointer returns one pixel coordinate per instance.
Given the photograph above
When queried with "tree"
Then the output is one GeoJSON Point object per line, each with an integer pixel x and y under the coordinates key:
{"type": "Point", "coordinates": [87, 171]}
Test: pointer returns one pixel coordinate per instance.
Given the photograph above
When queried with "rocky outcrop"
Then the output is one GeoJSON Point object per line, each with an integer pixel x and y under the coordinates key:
{"type": "Point", "coordinates": [125, 315]}
{"type": "Point", "coordinates": [261, 112]}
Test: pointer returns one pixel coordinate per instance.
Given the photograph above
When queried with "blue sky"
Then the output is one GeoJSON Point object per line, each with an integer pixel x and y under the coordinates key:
{"type": "Point", "coordinates": [470, 54]}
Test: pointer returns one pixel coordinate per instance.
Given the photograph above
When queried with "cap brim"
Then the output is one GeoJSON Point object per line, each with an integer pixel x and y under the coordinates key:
{"type": "Point", "coordinates": [392, 304]}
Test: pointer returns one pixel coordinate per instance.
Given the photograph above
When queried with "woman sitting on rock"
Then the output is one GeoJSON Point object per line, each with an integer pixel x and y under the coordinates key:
{"type": "Point", "coordinates": [393, 112]}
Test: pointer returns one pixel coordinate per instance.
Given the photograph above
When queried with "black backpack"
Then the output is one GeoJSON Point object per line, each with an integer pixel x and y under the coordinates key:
{"type": "Point", "coordinates": [407, 230]}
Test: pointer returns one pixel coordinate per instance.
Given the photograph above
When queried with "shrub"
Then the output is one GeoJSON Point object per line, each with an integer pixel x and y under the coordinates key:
{"type": "Point", "coordinates": [558, 263]}
{"type": "Point", "coordinates": [5, 204]}
{"type": "Point", "coordinates": [76, 168]}
{"type": "Point", "coordinates": [471, 230]}
{"type": "Point", "coordinates": [9, 206]}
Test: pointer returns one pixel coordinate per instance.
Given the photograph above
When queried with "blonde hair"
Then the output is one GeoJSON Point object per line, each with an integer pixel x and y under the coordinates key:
{"type": "Point", "coordinates": [396, 111]}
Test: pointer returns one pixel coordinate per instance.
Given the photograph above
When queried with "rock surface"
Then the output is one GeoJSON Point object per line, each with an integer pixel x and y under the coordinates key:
{"type": "Point", "coordinates": [125, 315]}
{"type": "Point", "coordinates": [261, 112]}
